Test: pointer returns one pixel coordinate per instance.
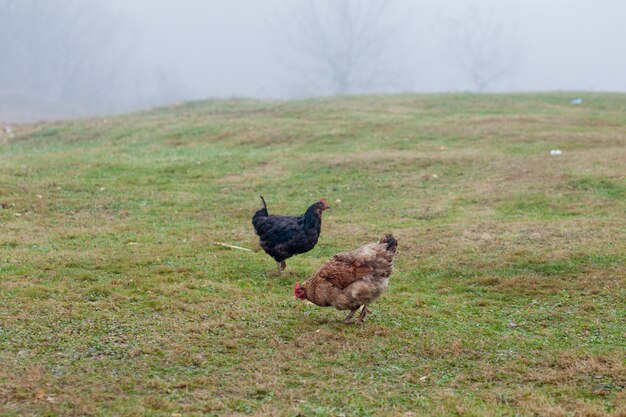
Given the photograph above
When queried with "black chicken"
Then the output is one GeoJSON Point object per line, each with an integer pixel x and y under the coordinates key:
{"type": "Point", "coordinates": [281, 237]}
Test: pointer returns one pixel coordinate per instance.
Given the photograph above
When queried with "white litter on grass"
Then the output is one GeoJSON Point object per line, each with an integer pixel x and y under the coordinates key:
{"type": "Point", "coordinates": [577, 101]}
{"type": "Point", "coordinates": [556, 152]}
{"type": "Point", "coordinates": [233, 246]}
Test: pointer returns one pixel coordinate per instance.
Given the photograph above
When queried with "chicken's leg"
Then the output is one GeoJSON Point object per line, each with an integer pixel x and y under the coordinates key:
{"type": "Point", "coordinates": [347, 319]}
{"type": "Point", "coordinates": [364, 312]}
{"type": "Point", "coordinates": [280, 271]}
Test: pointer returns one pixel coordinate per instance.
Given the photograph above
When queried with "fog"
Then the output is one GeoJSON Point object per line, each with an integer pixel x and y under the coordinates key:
{"type": "Point", "coordinates": [76, 58]}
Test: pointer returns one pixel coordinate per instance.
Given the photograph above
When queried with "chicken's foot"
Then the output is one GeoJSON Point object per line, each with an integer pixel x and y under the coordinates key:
{"type": "Point", "coordinates": [364, 312]}
{"type": "Point", "coordinates": [280, 270]}
{"type": "Point", "coordinates": [347, 319]}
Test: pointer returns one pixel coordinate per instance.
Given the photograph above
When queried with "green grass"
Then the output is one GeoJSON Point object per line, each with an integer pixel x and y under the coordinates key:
{"type": "Point", "coordinates": [508, 299]}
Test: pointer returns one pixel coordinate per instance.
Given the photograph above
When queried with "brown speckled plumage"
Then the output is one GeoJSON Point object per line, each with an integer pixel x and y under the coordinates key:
{"type": "Point", "coordinates": [353, 279]}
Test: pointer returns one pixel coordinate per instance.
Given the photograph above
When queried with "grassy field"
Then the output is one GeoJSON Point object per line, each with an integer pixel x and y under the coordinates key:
{"type": "Point", "coordinates": [508, 299]}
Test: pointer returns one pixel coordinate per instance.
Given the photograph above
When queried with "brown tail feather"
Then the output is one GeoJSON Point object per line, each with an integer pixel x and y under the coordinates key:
{"type": "Point", "coordinates": [391, 242]}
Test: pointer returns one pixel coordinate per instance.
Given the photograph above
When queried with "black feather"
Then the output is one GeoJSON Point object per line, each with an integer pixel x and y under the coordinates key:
{"type": "Point", "coordinates": [281, 237]}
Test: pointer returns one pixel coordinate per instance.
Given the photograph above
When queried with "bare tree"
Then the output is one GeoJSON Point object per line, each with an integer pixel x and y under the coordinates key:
{"type": "Point", "coordinates": [59, 58]}
{"type": "Point", "coordinates": [340, 46]}
{"type": "Point", "coordinates": [482, 48]}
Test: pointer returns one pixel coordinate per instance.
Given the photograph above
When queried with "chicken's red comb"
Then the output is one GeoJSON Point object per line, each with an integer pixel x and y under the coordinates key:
{"type": "Point", "coordinates": [323, 201]}
{"type": "Point", "coordinates": [297, 286]}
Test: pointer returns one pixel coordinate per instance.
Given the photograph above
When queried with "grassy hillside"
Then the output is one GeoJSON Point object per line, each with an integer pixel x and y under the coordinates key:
{"type": "Point", "coordinates": [508, 299]}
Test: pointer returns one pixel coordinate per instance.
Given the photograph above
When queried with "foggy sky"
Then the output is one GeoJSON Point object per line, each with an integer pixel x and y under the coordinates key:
{"type": "Point", "coordinates": [222, 47]}
{"type": "Point", "coordinates": [180, 50]}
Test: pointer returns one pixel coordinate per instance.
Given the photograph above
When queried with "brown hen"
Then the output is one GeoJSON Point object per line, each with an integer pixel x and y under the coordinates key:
{"type": "Point", "coordinates": [352, 279]}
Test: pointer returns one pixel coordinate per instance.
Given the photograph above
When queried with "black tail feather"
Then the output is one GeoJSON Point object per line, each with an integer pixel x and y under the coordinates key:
{"type": "Point", "coordinates": [262, 212]}
{"type": "Point", "coordinates": [391, 242]}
